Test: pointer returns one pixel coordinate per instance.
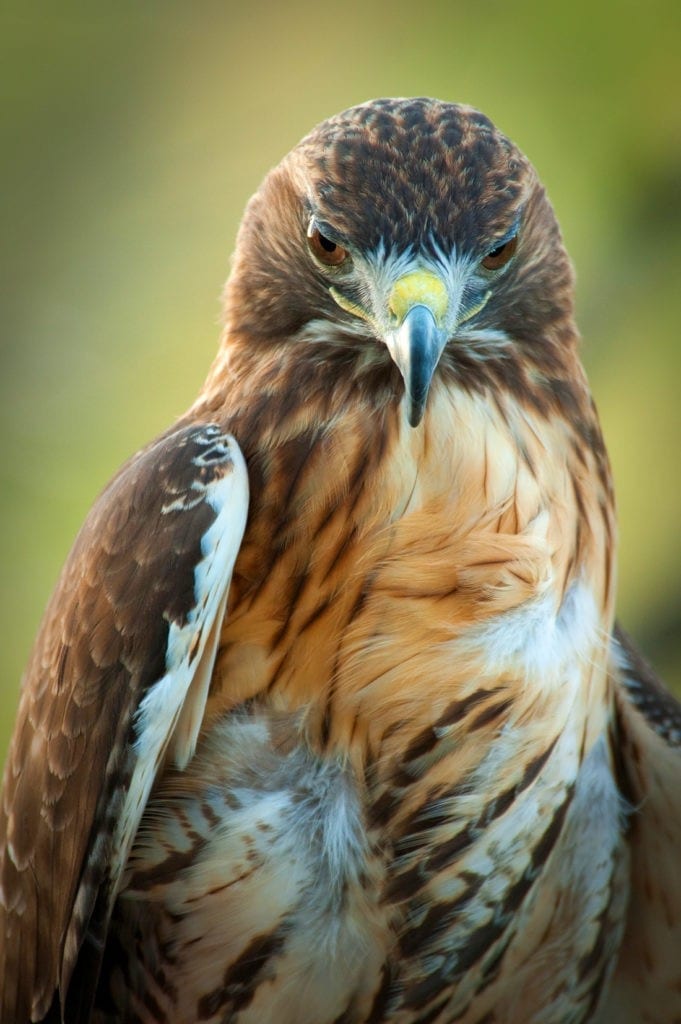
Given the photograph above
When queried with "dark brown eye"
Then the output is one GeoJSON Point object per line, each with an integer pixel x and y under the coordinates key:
{"type": "Point", "coordinates": [323, 249]}
{"type": "Point", "coordinates": [496, 258]}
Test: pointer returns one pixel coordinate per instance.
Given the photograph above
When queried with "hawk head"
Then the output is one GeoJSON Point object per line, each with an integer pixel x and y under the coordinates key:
{"type": "Point", "coordinates": [409, 232]}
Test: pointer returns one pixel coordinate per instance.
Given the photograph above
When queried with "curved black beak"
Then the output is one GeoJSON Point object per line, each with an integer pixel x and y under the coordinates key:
{"type": "Point", "coordinates": [416, 347]}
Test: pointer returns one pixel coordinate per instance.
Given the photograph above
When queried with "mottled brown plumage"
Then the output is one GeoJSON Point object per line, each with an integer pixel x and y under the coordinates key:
{"type": "Point", "coordinates": [374, 753]}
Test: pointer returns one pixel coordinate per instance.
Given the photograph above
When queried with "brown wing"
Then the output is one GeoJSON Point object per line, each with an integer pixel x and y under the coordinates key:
{"type": "Point", "coordinates": [116, 682]}
{"type": "Point", "coordinates": [646, 987]}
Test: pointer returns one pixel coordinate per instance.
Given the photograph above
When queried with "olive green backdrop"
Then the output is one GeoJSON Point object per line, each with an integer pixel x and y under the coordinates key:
{"type": "Point", "coordinates": [133, 135]}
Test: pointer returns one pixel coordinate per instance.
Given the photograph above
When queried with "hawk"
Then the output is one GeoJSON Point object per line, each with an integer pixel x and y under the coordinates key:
{"type": "Point", "coordinates": [328, 719]}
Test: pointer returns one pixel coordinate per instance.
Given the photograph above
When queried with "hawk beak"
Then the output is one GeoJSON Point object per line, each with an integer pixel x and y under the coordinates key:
{"type": "Point", "coordinates": [419, 303]}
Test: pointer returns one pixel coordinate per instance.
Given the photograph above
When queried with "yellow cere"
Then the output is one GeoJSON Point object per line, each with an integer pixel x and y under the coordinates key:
{"type": "Point", "coordinates": [419, 288]}
{"type": "Point", "coordinates": [475, 309]}
{"type": "Point", "coordinates": [349, 306]}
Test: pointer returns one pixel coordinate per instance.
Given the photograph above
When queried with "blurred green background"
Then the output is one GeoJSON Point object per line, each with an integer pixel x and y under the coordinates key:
{"type": "Point", "coordinates": [134, 134]}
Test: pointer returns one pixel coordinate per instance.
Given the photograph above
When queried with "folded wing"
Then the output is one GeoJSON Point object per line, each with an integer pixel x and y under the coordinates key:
{"type": "Point", "coordinates": [116, 685]}
{"type": "Point", "coordinates": [646, 988]}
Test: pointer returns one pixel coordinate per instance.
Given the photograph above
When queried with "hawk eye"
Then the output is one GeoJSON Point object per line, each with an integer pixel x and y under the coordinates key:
{"type": "Point", "coordinates": [323, 249]}
{"type": "Point", "coordinates": [500, 255]}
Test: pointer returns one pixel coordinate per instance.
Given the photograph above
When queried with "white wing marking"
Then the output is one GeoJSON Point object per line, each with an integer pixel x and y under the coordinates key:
{"type": "Point", "coordinates": [170, 715]}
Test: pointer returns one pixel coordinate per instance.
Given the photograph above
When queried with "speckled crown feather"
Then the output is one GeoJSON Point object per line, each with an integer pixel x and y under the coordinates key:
{"type": "Point", "coordinates": [441, 168]}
